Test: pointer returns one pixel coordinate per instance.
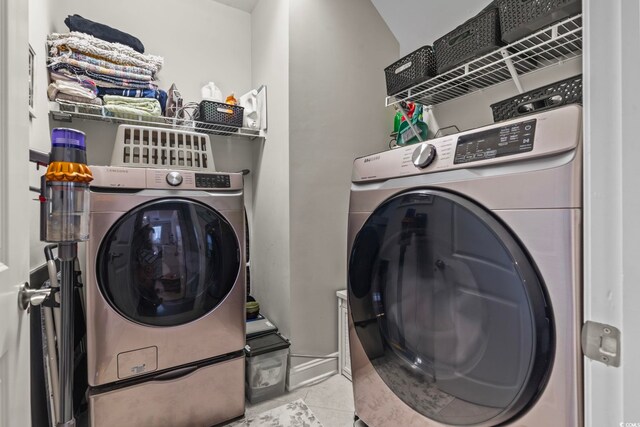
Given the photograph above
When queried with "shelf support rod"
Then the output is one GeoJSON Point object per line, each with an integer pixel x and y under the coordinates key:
{"type": "Point", "coordinates": [415, 131]}
{"type": "Point", "coordinates": [512, 70]}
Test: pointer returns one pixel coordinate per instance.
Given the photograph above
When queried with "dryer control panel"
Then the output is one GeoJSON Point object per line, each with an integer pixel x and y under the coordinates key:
{"type": "Point", "coordinates": [544, 134]}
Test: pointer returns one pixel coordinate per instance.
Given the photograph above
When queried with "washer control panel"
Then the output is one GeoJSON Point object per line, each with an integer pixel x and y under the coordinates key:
{"type": "Point", "coordinates": [205, 180]}
{"type": "Point", "coordinates": [506, 140]}
{"type": "Point", "coordinates": [524, 138]}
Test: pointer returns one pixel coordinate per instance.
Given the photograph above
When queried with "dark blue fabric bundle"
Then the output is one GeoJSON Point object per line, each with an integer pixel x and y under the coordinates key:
{"type": "Point", "coordinates": [104, 32]}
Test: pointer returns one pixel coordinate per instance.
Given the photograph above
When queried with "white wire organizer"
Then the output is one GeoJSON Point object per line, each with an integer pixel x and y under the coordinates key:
{"type": "Point", "coordinates": [550, 46]}
{"type": "Point", "coordinates": [62, 111]}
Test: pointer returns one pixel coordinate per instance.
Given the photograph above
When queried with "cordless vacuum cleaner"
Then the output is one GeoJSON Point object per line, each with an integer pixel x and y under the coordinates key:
{"type": "Point", "coordinates": [64, 220]}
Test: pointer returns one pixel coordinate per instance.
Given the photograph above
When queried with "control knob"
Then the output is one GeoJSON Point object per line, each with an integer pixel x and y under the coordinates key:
{"type": "Point", "coordinates": [174, 179]}
{"type": "Point", "coordinates": [423, 155]}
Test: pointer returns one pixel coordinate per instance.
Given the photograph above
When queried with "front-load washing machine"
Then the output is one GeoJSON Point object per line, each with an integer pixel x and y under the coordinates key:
{"type": "Point", "coordinates": [465, 278]}
{"type": "Point", "coordinates": [165, 297]}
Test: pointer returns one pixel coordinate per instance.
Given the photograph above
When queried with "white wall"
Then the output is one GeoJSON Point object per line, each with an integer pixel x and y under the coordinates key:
{"type": "Point", "coordinates": [270, 245]}
{"type": "Point", "coordinates": [201, 40]}
{"type": "Point", "coordinates": [416, 23]}
{"type": "Point", "coordinates": [338, 52]}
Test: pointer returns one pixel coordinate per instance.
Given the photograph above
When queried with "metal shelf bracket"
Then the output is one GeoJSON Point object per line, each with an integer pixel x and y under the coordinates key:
{"type": "Point", "coordinates": [512, 70]}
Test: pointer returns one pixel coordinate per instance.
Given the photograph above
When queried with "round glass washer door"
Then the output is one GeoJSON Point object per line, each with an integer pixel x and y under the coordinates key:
{"type": "Point", "coordinates": [168, 262]}
{"type": "Point", "coordinates": [449, 309]}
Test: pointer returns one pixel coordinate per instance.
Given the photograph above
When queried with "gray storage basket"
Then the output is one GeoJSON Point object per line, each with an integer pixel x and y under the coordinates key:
{"type": "Point", "coordinates": [519, 18]}
{"type": "Point", "coordinates": [219, 113]}
{"type": "Point", "coordinates": [476, 37]}
{"type": "Point", "coordinates": [555, 95]}
{"type": "Point", "coordinates": [410, 70]}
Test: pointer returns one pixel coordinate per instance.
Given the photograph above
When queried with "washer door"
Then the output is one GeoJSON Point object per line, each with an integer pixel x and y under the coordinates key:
{"type": "Point", "coordinates": [168, 262]}
{"type": "Point", "coordinates": [449, 309]}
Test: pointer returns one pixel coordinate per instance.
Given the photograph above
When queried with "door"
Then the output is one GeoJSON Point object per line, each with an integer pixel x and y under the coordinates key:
{"type": "Point", "coordinates": [14, 202]}
{"type": "Point", "coordinates": [168, 262]}
{"type": "Point", "coordinates": [449, 307]}
{"type": "Point", "coordinates": [611, 204]}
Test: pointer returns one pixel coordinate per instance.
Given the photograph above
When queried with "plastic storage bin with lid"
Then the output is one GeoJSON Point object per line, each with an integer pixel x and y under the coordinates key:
{"type": "Point", "coordinates": [266, 366]}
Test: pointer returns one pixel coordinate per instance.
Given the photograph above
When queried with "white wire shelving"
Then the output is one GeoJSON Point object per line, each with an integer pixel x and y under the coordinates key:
{"type": "Point", "coordinates": [548, 47]}
{"type": "Point", "coordinates": [66, 112]}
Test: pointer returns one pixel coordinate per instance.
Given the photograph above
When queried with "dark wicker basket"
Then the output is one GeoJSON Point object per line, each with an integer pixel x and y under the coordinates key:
{"type": "Point", "coordinates": [476, 37]}
{"type": "Point", "coordinates": [555, 95]}
{"type": "Point", "coordinates": [220, 114]}
{"type": "Point", "coordinates": [414, 68]}
{"type": "Point", "coordinates": [519, 18]}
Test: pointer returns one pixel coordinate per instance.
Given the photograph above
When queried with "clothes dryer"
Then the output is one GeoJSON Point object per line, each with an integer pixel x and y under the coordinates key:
{"type": "Point", "coordinates": [165, 296]}
{"type": "Point", "coordinates": [465, 278]}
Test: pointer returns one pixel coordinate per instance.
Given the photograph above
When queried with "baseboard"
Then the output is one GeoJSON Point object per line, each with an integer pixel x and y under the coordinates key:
{"type": "Point", "coordinates": [313, 371]}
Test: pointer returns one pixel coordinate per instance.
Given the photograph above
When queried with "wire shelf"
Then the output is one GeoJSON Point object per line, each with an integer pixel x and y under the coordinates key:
{"type": "Point", "coordinates": [550, 46]}
{"type": "Point", "coordinates": [63, 111]}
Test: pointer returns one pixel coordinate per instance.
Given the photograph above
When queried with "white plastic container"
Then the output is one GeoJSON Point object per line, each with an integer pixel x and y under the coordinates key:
{"type": "Point", "coordinates": [266, 367]}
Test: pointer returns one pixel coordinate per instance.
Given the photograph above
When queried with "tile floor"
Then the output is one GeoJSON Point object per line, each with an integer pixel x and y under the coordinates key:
{"type": "Point", "coordinates": [330, 400]}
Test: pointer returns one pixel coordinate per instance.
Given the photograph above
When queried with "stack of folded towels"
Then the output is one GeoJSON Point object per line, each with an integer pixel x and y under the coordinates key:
{"type": "Point", "coordinates": [99, 66]}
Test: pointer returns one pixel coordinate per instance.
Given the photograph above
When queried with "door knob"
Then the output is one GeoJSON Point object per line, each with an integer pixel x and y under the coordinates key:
{"type": "Point", "coordinates": [28, 296]}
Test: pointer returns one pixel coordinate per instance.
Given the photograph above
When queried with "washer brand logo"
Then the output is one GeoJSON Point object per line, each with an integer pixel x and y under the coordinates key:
{"type": "Point", "coordinates": [117, 170]}
{"type": "Point", "coordinates": [371, 159]}
{"type": "Point", "coordinates": [139, 369]}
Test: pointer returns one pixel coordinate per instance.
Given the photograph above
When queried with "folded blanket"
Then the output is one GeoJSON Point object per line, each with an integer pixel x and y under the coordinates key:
{"type": "Point", "coordinates": [99, 78]}
{"type": "Point", "coordinates": [63, 59]}
{"type": "Point", "coordinates": [83, 79]}
{"type": "Point", "coordinates": [113, 52]}
{"type": "Point", "coordinates": [64, 75]}
{"type": "Point", "coordinates": [104, 32]}
{"type": "Point", "coordinates": [70, 99]}
{"type": "Point", "coordinates": [138, 106]}
{"type": "Point", "coordinates": [70, 88]}
{"type": "Point", "coordinates": [104, 63]}
{"type": "Point", "coordinates": [160, 95]}
{"type": "Point", "coordinates": [109, 85]}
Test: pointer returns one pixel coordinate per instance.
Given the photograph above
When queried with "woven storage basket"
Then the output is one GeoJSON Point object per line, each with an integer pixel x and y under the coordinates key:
{"type": "Point", "coordinates": [555, 95]}
{"type": "Point", "coordinates": [520, 18]}
{"type": "Point", "coordinates": [476, 37]}
{"type": "Point", "coordinates": [220, 114]}
{"type": "Point", "coordinates": [151, 147]}
{"type": "Point", "coordinates": [412, 69]}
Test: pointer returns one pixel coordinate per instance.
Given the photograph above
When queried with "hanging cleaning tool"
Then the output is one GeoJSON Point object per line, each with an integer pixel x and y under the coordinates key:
{"type": "Point", "coordinates": [415, 129]}
{"type": "Point", "coordinates": [65, 220]}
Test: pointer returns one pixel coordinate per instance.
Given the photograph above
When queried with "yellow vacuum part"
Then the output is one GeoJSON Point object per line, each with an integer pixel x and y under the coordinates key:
{"type": "Point", "coordinates": [68, 172]}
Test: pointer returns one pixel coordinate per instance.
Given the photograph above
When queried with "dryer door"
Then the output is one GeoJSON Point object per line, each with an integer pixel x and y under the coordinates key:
{"type": "Point", "coordinates": [449, 309]}
{"type": "Point", "coordinates": [168, 262]}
